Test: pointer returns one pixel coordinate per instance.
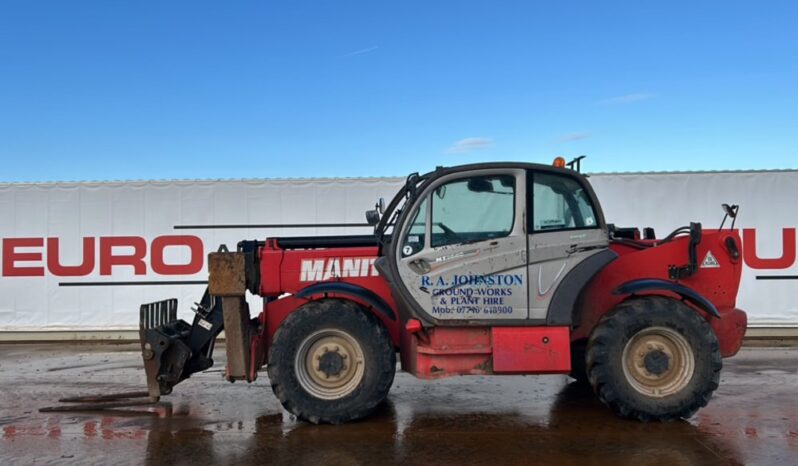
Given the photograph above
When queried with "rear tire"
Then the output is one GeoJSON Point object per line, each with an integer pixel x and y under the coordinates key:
{"type": "Point", "coordinates": [653, 359]}
{"type": "Point", "coordinates": [331, 362]}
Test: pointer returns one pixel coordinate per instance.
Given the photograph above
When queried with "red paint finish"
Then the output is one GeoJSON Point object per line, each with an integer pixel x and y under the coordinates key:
{"type": "Point", "coordinates": [196, 256]}
{"type": "Point", "coordinates": [271, 260]}
{"type": "Point", "coordinates": [719, 285]}
{"type": "Point", "coordinates": [447, 351]}
{"type": "Point", "coordinates": [542, 350]}
{"type": "Point", "coordinates": [786, 260]}
{"type": "Point", "coordinates": [25, 257]}
{"type": "Point", "coordinates": [291, 271]}
{"type": "Point", "coordinates": [257, 357]}
{"type": "Point", "coordinates": [443, 351]}
{"type": "Point", "coordinates": [413, 326]}
{"type": "Point", "coordinates": [59, 270]}
{"type": "Point", "coordinates": [11, 257]}
{"type": "Point", "coordinates": [135, 259]}
{"type": "Point", "coordinates": [730, 330]}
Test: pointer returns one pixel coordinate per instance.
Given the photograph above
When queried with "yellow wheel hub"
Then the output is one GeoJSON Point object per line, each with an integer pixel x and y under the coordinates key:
{"type": "Point", "coordinates": [329, 364]}
{"type": "Point", "coordinates": [658, 362]}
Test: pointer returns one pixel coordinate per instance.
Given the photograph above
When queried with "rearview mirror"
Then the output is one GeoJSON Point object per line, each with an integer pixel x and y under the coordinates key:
{"type": "Point", "coordinates": [731, 211]}
{"type": "Point", "coordinates": [380, 206]}
{"type": "Point", "coordinates": [480, 185]}
{"type": "Point", "coordinates": [372, 217]}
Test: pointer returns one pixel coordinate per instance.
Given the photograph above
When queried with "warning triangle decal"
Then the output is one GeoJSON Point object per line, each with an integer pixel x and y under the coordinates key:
{"type": "Point", "coordinates": [710, 262]}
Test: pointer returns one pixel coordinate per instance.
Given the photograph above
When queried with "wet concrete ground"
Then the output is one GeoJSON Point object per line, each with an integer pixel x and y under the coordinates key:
{"type": "Point", "coordinates": [753, 419]}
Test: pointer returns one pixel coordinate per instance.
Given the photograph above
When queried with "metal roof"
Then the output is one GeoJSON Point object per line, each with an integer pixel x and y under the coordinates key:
{"type": "Point", "coordinates": [391, 179]}
{"type": "Point", "coordinates": [697, 172]}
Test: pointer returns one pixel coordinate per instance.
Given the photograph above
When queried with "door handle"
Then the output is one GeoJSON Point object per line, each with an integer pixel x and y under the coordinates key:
{"type": "Point", "coordinates": [456, 256]}
{"type": "Point", "coordinates": [576, 248]}
{"type": "Point", "coordinates": [420, 266]}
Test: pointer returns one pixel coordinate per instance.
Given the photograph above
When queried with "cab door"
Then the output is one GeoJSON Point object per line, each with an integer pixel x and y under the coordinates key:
{"type": "Point", "coordinates": [565, 227]}
{"type": "Point", "coordinates": [462, 256]}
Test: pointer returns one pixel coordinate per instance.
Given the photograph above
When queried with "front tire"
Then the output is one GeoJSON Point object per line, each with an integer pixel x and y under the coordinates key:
{"type": "Point", "coordinates": [331, 362]}
{"type": "Point", "coordinates": [653, 359]}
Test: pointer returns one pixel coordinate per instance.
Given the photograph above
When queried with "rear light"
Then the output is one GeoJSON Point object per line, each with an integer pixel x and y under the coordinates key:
{"type": "Point", "coordinates": [732, 248]}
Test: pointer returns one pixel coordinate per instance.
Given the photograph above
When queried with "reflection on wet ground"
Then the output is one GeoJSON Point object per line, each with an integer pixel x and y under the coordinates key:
{"type": "Point", "coordinates": [753, 419]}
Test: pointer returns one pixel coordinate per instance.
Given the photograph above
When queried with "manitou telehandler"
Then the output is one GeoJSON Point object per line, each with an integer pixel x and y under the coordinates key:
{"type": "Point", "coordinates": [494, 268]}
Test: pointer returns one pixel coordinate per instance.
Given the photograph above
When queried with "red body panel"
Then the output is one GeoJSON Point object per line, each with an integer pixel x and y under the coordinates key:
{"type": "Point", "coordinates": [717, 284]}
{"type": "Point", "coordinates": [446, 351]}
{"type": "Point", "coordinates": [443, 351]}
{"type": "Point", "coordinates": [283, 274]}
{"type": "Point", "coordinates": [542, 350]}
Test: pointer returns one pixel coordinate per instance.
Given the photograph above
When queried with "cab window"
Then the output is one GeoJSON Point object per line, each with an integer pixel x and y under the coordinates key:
{"type": "Point", "coordinates": [472, 209]}
{"type": "Point", "coordinates": [417, 233]}
{"type": "Point", "coordinates": [560, 203]}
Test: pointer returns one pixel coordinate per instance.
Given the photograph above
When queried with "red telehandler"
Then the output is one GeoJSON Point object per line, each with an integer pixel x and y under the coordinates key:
{"type": "Point", "coordinates": [493, 268]}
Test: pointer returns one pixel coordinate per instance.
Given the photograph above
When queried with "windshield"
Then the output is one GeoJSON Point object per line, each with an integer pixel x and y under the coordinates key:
{"type": "Point", "coordinates": [406, 196]}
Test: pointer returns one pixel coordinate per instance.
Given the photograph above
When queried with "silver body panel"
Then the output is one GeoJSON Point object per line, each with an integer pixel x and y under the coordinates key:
{"type": "Point", "coordinates": [506, 278]}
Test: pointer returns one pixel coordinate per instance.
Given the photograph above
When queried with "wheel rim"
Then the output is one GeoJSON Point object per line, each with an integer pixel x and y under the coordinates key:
{"type": "Point", "coordinates": [658, 362]}
{"type": "Point", "coordinates": [329, 364]}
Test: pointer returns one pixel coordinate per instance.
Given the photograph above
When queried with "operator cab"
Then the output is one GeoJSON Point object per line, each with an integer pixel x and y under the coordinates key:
{"type": "Point", "coordinates": [489, 244]}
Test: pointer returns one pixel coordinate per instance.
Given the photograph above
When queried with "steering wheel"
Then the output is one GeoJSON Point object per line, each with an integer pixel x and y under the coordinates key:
{"type": "Point", "coordinates": [450, 234]}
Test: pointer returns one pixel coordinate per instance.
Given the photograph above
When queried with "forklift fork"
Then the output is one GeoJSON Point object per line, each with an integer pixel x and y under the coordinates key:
{"type": "Point", "coordinates": [173, 350]}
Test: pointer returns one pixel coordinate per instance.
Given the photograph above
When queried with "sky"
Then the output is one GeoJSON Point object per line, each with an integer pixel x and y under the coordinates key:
{"type": "Point", "coordinates": [116, 90]}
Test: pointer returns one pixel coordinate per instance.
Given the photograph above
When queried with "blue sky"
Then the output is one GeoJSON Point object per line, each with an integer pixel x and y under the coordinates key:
{"type": "Point", "coordinates": [139, 90]}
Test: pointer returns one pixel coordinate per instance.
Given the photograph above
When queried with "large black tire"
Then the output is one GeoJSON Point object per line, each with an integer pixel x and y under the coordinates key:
{"type": "Point", "coordinates": [653, 359]}
{"type": "Point", "coordinates": [348, 333]}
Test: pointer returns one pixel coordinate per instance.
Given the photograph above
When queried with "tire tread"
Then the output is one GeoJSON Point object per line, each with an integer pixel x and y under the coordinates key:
{"type": "Point", "coordinates": [602, 375]}
{"type": "Point", "coordinates": [317, 411]}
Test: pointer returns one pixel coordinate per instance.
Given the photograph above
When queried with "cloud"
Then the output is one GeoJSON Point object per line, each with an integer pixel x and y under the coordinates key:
{"type": "Point", "coordinates": [573, 136]}
{"type": "Point", "coordinates": [361, 51]}
{"type": "Point", "coordinates": [469, 144]}
{"type": "Point", "coordinates": [626, 99]}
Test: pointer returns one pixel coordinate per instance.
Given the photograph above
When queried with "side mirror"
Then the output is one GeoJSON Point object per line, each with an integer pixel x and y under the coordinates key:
{"type": "Point", "coordinates": [372, 217]}
{"type": "Point", "coordinates": [380, 206]}
{"type": "Point", "coordinates": [731, 211]}
{"type": "Point", "coordinates": [410, 183]}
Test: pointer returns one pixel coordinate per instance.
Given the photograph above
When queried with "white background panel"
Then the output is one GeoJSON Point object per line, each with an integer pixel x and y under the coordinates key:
{"type": "Point", "coordinates": [71, 211]}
